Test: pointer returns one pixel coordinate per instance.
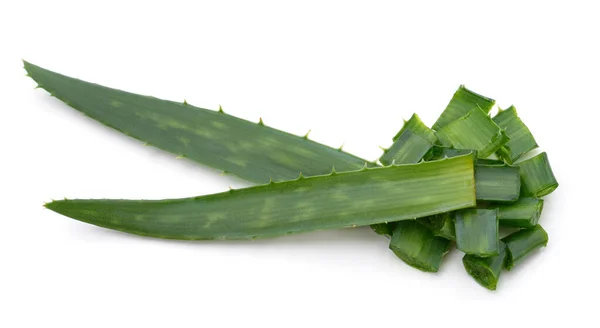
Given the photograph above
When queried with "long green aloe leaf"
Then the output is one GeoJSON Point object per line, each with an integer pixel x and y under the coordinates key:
{"type": "Point", "coordinates": [521, 140]}
{"type": "Point", "coordinates": [537, 178]}
{"type": "Point", "coordinates": [334, 201]}
{"type": "Point", "coordinates": [413, 142]}
{"type": "Point", "coordinates": [461, 103]}
{"type": "Point", "coordinates": [476, 131]}
{"type": "Point", "coordinates": [418, 246]}
{"type": "Point", "coordinates": [252, 151]}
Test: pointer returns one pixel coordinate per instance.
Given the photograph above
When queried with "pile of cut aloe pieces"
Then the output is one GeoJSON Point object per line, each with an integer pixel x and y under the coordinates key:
{"type": "Point", "coordinates": [456, 183]}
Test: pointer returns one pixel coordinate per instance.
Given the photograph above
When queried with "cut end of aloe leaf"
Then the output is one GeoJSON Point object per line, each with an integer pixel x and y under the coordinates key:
{"type": "Point", "coordinates": [460, 104]}
{"type": "Point", "coordinates": [416, 245]}
{"type": "Point", "coordinates": [522, 243]}
{"type": "Point", "coordinates": [482, 273]}
{"type": "Point", "coordinates": [486, 270]}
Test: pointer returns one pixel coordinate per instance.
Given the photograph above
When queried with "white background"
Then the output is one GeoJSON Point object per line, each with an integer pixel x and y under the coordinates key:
{"type": "Point", "coordinates": [350, 71]}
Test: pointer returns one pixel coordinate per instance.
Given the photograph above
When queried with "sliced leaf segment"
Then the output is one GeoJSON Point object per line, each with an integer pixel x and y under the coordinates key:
{"type": "Point", "coordinates": [477, 232]}
{"type": "Point", "coordinates": [248, 150]}
{"type": "Point", "coordinates": [524, 213]}
{"type": "Point", "coordinates": [486, 270]}
{"type": "Point", "coordinates": [521, 140]}
{"type": "Point", "coordinates": [413, 141]}
{"type": "Point", "coordinates": [417, 246]}
{"type": "Point", "coordinates": [336, 201]}
{"type": "Point", "coordinates": [442, 225]}
{"type": "Point", "coordinates": [461, 103]}
{"type": "Point", "coordinates": [522, 243]}
{"type": "Point", "coordinates": [475, 131]}
{"type": "Point", "coordinates": [537, 178]}
{"type": "Point", "coordinates": [497, 183]}
{"type": "Point", "coordinates": [384, 229]}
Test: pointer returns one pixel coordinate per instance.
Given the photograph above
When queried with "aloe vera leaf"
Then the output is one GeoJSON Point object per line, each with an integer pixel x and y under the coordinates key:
{"type": "Point", "coordinates": [497, 183]}
{"type": "Point", "coordinates": [522, 243]}
{"type": "Point", "coordinates": [521, 140]}
{"type": "Point", "coordinates": [335, 201]}
{"type": "Point", "coordinates": [537, 178]}
{"type": "Point", "coordinates": [524, 213]}
{"type": "Point", "coordinates": [442, 225]}
{"type": "Point", "coordinates": [486, 270]}
{"type": "Point", "coordinates": [416, 245]}
{"type": "Point", "coordinates": [251, 151]}
{"type": "Point", "coordinates": [413, 142]}
{"type": "Point", "coordinates": [460, 104]}
{"type": "Point", "coordinates": [477, 232]}
{"type": "Point", "coordinates": [475, 131]}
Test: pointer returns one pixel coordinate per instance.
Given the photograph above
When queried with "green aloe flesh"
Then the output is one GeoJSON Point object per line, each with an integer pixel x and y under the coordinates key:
{"type": "Point", "coordinates": [486, 270]}
{"type": "Point", "coordinates": [497, 183]}
{"type": "Point", "coordinates": [251, 151]}
{"type": "Point", "coordinates": [416, 245]}
{"type": "Point", "coordinates": [384, 229]}
{"type": "Point", "coordinates": [475, 131]}
{"type": "Point", "coordinates": [413, 142]}
{"type": "Point", "coordinates": [335, 201]}
{"type": "Point", "coordinates": [477, 232]}
{"type": "Point", "coordinates": [490, 162]}
{"type": "Point", "coordinates": [522, 243]}
{"type": "Point", "coordinates": [537, 178]}
{"type": "Point", "coordinates": [524, 213]}
{"type": "Point", "coordinates": [461, 103]}
{"type": "Point", "coordinates": [442, 225]}
{"type": "Point", "coordinates": [521, 140]}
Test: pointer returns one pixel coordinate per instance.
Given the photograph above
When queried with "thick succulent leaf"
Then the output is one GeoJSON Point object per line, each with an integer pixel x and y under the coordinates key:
{"type": "Point", "coordinates": [537, 178]}
{"type": "Point", "coordinates": [521, 140]}
{"type": "Point", "coordinates": [486, 270]}
{"type": "Point", "coordinates": [477, 232]}
{"type": "Point", "coordinates": [251, 151]}
{"type": "Point", "coordinates": [461, 103]}
{"type": "Point", "coordinates": [522, 243]}
{"type": "Point", "coordinates": [335, 201]}
{"type": "Point", "coordinates": [416, 245]}
{"type": "Point", "coordinates": [475, 131]}
{"type": "Point", "coordinates": [524, 213]}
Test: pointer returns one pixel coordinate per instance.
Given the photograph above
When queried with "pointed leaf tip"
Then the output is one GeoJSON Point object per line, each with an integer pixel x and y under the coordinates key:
{"type": "Point", "coordinates": [260, 122]}
{"type": "Point", "coordinates": [221, 110]}
{"type": "Point", "coordinates": [185, 102]}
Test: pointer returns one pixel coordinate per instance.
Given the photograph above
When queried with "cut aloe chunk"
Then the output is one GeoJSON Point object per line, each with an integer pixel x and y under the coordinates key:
{"type": "Point", "coordinates": [477, 232]}
{"type": "Point", "coordinates": [461, 103]}
{"type": "Point", "coordinates": [521, 140]}
{"type": "Point", "coordinates": [537, 178]}
{"type": "Point", "coordinates": [417, 246]}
